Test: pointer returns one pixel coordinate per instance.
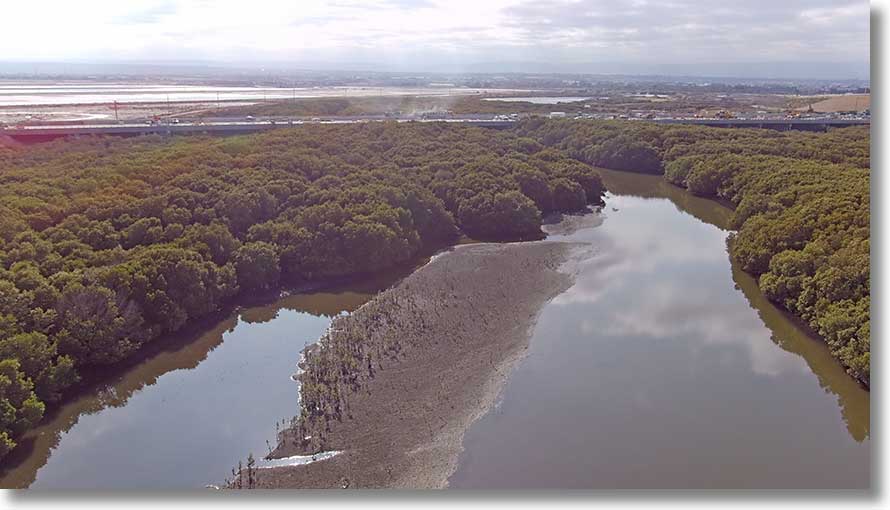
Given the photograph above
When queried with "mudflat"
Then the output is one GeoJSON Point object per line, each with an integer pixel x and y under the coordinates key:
{"type": "Point", "coordinates": [394, 386]}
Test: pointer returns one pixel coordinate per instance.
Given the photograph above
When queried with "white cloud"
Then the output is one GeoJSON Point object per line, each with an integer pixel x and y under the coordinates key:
{"type": "Point", "coordinates": [417, 30]}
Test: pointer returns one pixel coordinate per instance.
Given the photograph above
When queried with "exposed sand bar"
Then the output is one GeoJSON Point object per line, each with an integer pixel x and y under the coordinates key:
{"type": "Point", "coordinates": [427, 358]}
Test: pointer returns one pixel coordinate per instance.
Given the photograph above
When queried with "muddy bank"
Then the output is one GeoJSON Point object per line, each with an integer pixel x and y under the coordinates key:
{"type": "Point", "coordinates": [395, 385]}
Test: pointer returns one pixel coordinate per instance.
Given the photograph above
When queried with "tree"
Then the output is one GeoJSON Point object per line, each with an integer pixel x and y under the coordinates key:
{"type": "Point", "coordinates": [568, 195]}
{"type": "Point", "coordinates": [801, 209]}
{"type": "Point", "coordinates": [96, 325]}
{"type": "Point", "coordinates": [39, 361]}
{"type": "Point", "coordinates": [214, 242]}
{"type": "Point", "coordinates": [19, 407]}
{"type": "Point", "coordinates": [509, 215]}
{"type": "Point", "coordinates": [241, 210]}
{"type": "Point", "coordinates": [534, 185]}
{"type": "Point", "coordinates": [586, 177]}
{"type": "Point", "coordinates": [168, 286]}
{"type": "Point", "coordinates": [256, 264]}
{"type": "Point", "coordinates": [144, 231]}
{"type": "Point", "coordinates": [625, 153]}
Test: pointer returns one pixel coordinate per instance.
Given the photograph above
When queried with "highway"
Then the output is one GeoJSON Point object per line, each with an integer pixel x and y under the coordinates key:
{"type": "Point", "coordinates": [777, 123]}
{"type": "Point", "coordinates": [49, 131]}
{"type": "Point", "coordinates": [223, 126]}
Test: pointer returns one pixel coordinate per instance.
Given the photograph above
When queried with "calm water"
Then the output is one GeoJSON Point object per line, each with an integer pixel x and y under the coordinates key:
{"type": "Point", "coordinates": [538, 99]}
{"type": "Point", "coordinates": [664, 367]}
{"type": "Point", "coordinates": [28, 93]}
{"type": "Point", "coordinates": [184, 416]}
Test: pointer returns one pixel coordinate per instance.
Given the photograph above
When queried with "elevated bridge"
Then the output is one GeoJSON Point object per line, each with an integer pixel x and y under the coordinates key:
{"type": "Point", "coordinates": [36, 133]}
{"type": "Point", "coordinates": [807, 124]}
{"type": "Point", "coordinates": [30, 133]}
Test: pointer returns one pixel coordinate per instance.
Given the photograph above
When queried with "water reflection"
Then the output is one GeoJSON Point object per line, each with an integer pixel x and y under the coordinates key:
{"type": "Point", "coordinates": [654, 186]}
{"type": "Point", "coordinates": [664, 367]}
{"type": "Point", "coordinates": [190, 409]}
{"type": "Point", "coordinates": [538, 99]}
{"type": "Point", "coordinates": [852, 399]}
{"type": "Point", "coordinates": [20, 94]}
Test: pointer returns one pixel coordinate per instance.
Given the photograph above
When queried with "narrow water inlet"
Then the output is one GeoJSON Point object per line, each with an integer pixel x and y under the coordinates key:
{"type": "Point", "coordinates": [296, 460]}
{"type": "Point", "coordinates": [200, 405]}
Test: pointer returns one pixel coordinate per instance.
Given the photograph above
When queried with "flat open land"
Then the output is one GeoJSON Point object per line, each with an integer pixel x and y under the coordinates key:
{"type": "Point", "coordinates": [463, 321]}
{"type": "Point", "coordinates": [39, 102]}
{"type": "Point", "coordinates": [844, 103]}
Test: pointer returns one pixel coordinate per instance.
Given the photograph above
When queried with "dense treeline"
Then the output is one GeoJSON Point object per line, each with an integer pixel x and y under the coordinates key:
{"type": "Point", "coordinates": [801, 208]}
{"type": "Point", "coordinates": [105, 243]}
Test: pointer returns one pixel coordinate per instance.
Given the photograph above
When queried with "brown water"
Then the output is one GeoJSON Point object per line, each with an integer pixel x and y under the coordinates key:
{"type": "Point", "coordinates": [665, 367]}
{"type": "Point", "coordinates": [185, 414]}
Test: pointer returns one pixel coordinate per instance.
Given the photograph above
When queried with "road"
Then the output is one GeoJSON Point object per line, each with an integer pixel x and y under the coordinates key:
{"type": "Point", "coordinates": [240, 125]}
{"type": "Point", "coordinates": [778, 123]}
{"type": "Point", "coordinates": [41, 132]}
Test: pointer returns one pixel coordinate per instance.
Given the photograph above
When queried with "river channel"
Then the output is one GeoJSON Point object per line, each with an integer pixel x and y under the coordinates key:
{"type": "Point", "coordinates": [664, 367]}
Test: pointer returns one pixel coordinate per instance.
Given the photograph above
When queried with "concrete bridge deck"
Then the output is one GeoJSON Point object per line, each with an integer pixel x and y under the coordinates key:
{"type": "Point", "coordinates": [781, 124]}
{"type": "Point", "coordinates": [36, 132]}
{"type": "Point", "coordinates": [230, 127]}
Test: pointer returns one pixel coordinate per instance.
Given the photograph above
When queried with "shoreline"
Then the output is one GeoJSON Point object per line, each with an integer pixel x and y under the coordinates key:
{"type": "Point", "coordinates": [186, 337]}
{"type": "Point", "coordinates": [394, 386]}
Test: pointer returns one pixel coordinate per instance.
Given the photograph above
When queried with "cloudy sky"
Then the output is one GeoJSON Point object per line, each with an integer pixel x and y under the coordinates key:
{"type": "Point", "coordinates": [428, 33]}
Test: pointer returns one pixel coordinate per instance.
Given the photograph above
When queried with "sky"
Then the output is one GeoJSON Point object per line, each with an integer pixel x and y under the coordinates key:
{"type": "Point", "coordinates": [430, 34]}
